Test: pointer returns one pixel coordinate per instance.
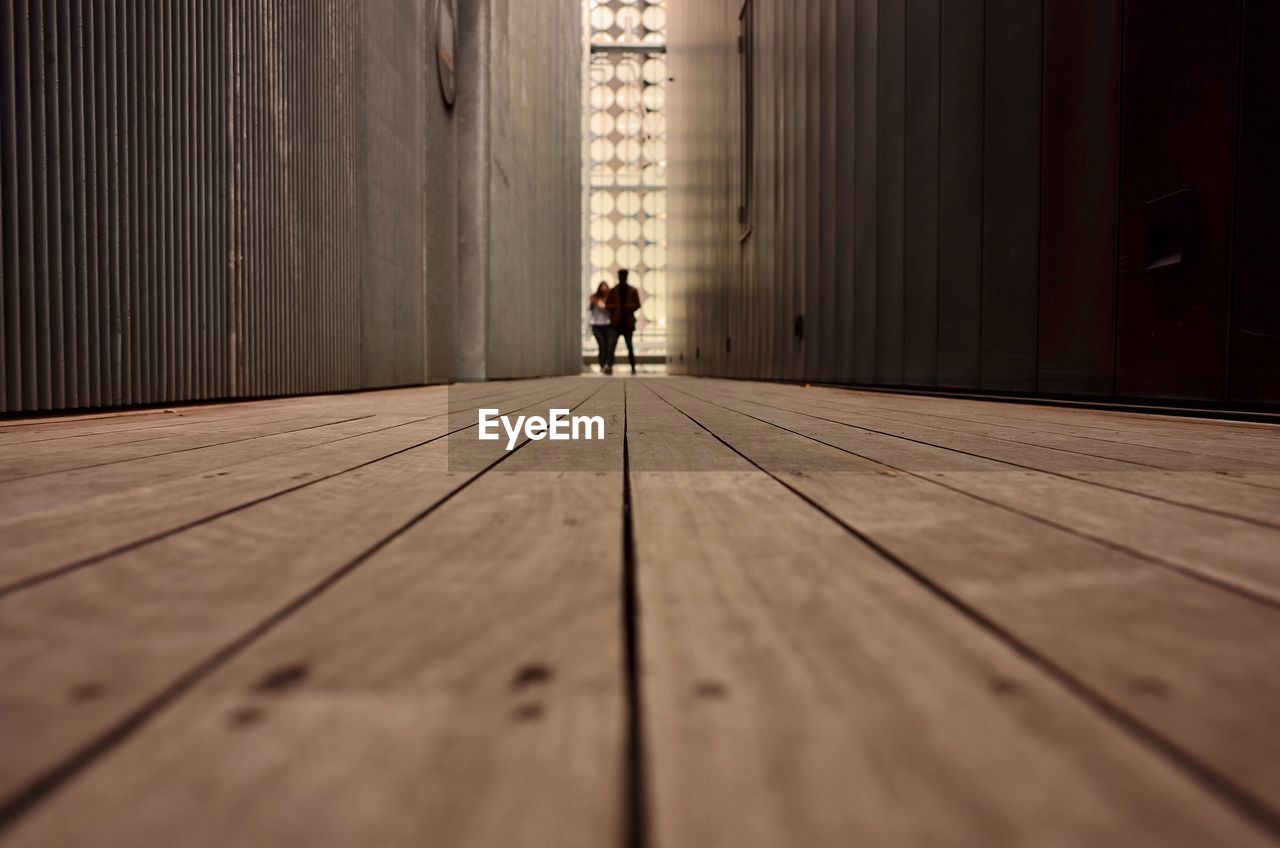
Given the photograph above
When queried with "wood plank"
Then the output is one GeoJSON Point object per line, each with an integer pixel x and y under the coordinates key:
{"type": "Point", "coordinates": [37, 545]}
{"type": "Point", "coordinates": [1230, 494]}
{"type": "Point", "coordinates": [176, 424]}
{"type": "Point", "coordinates": [846, 166]}
{"type": "Point", "coordinates": [832, 322]}
{"type": "Point", "coordinates": [20, 431]}
{"type": "Point", "coordinates": [136, 625]}
{"type": "Point", "coordinates": [1214, 483]}
{"type": "Point", "coordinates": [105, 424]}
{"type": "Point", "coordinates": [24, 497]}
{"type": "Point", "coordinates": [811, 36]}
{"type": "Point", "coordinates": [1254, 441]}
{"type": "Point", "coordinates": [1255, 312]}
{"type": "Point", "coordinates": [1011, 660]}
{"type": "Point", "coordinates": [461, 686]}
{"type": "Point", "coordinates": [34, 494]}
{"type": "Point", "coordinates": [36, 461]}
{"type": "Point", "coordinates": [866, 194]}
{"type": "Point", "coordinates": [1179, 133]}
{"type": "Point", "coordinates": [1179, 656]}
{"type": "Point", "coordinates": [890, 152]}
{"type": "Point", "coordinates": [1170, 441]}
{"type": "Point", "coordinates": [800, 689]}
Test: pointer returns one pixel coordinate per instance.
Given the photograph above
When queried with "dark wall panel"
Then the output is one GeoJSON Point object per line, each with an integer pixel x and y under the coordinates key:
{"type": "Point", "coordinates": [1078, 203]}
{"type": "Point", "coordinates": [865, 192]}
{"type": "Point", "coordinates": [1179, 134]}
{"type": "Point", "coordinates": [791, 103]}
{"type": "Point", "coordinates": [8, 214]}
{"type": "Point", "coordinates": [1255, 352]}
{"type": "Point", "coordinates": [954, 193]}
{"type": "Point", "coordinates": [1011, 194]}
{"type": "Point", "coordinates": [960, 193]}
{"type": "Point", "coordinates": [826, 324]}
{"type": "Point", "coordinates": [845, 181]}
{"type": "Point", "coordinates": [920, 232]}
{"type": "Point", "coordinates": [890, 183]}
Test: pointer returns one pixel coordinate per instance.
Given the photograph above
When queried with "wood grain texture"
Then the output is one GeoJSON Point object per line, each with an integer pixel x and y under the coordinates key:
{"type": "Point", "coordinates": [1072, 599]}
{"type": "Point", "coordinates": [462, 685]}
{"type": "Point", "coordinates": [1160, 466]}
{"type": "Point", "coordinates": [755, 614]}
{"type": "Point", "coordinates": [157, 501]}
{"type": "Point", "coordinates": [1210, 543]}
{"type": "Point", "coordinates": [832, 323]}
{"type": "Point", "coordinates": [779, 678]}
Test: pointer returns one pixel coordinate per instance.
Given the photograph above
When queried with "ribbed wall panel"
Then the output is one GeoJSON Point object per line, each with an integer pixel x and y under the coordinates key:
{"type": "Point", "coordinates": [186, 198]}
{"type": "Point", "coordinates": [1002, 169]}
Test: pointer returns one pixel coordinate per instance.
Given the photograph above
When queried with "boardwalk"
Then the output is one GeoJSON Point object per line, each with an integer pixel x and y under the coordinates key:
{"type": "Point", "coordinates": [754, 615]}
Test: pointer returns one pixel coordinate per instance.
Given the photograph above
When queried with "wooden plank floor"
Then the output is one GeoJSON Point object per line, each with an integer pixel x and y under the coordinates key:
{"type": "Point", "coordinates": [753, 615]}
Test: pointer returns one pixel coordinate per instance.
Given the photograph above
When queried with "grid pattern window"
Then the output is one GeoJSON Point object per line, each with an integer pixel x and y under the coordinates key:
{"type": "Point", "coordinates": [626, 148]}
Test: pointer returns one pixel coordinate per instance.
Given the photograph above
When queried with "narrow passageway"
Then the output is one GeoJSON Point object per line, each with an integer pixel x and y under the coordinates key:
{"type": "Point", "coordinates": [751, 614]}
{"type": "Point", "coordinates": [639, 423]}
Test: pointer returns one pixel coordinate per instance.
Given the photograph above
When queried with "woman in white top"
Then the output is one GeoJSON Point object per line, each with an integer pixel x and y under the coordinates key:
{"type": "Point", "coordinates": [598, 317]}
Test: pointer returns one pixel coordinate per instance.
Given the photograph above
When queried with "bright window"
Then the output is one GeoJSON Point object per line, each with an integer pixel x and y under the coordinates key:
{"type": "Point", "coordinates": [626, 148]}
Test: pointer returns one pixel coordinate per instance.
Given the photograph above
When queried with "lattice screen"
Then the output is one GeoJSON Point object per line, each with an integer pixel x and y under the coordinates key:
{"type": "Point", "coordinates": [626, 145]}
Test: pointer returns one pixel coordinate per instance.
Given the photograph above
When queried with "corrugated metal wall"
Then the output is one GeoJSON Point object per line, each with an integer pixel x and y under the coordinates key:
{"type": "Point", "coordinates": [535, 188]}
{"type": "Point", "coordinates": [880, 251]}
{"type": "Point", "coordinates": [521, 189]}
{"type": "Point", "coordinates": [210, 198]}
{"type": "Point", "coordinates": [954, 193]}
{"type": "Point", "coordinates": [112, 265]}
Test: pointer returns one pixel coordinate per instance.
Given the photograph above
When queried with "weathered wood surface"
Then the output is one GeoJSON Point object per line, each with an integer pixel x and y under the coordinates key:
{"type": "Point", "coordinates": [159, 502]}
{"type": "Point", "coordinates": [1216, 539]}
{"type": "Point", "coordinates": [754, 615]}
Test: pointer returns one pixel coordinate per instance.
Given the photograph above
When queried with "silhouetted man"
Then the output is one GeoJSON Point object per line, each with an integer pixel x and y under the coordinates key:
{"type": "Point", "coordinates": [623, 303]}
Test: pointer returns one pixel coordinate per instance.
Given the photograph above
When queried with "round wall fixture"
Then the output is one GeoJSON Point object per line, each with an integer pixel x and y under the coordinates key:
{"type": "Point", "coordinates": [446, 48]}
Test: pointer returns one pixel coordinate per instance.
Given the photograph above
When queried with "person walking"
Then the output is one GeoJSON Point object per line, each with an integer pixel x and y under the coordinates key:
{"type": "Point", "coordinates": [598, 318]}
{"type": "Point", "coordinates": [623, 303]}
